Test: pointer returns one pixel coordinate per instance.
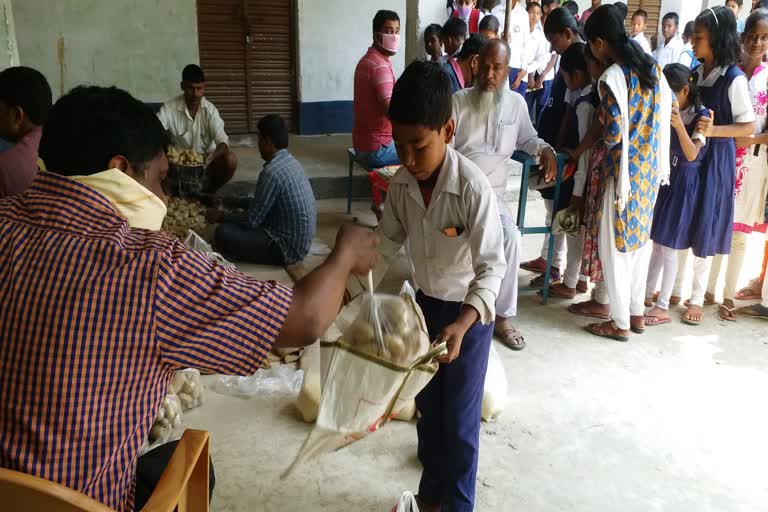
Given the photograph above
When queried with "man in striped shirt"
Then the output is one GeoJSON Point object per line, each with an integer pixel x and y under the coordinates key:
{"type": "Point", "coordinates": [374, 80]}
{"type": "Point", "coordinates": [96, 316]}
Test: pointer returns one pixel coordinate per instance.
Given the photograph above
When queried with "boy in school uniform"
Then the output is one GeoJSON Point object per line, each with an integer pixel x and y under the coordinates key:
{"type": "Point", "coordinates": [442, 206]}
{"type": "Point", "coordinates": [670, 50]}
{"type": "Point", "coordinates": [639, 20]}
{"type": "Point", "coordinates": [489, 27]}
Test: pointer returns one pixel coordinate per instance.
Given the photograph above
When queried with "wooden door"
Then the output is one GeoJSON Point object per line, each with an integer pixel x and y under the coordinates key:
{"type": "Point", "coordinates": [247, 53]}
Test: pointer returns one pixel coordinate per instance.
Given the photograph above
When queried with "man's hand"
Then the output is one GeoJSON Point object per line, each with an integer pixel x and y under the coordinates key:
{"type": "Point", "coordinates": [214, 216]}
{"type": "Point", "coordinates": [220, 150]}
{"type": "Point", "coordinates": [358, 247]}
{"type": "Point", "coordinates": [548, 164]}
{"type": "Point", "coordinates": [705, 125]}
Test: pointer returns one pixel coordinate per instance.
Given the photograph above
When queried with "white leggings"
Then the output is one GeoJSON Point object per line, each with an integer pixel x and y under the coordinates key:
{"type": "Point", "coordinates": [733, 268]}
{"type": "Point", "coordinates": [662, 259]}
{"type": "Point", "coordinates": [700, 273]}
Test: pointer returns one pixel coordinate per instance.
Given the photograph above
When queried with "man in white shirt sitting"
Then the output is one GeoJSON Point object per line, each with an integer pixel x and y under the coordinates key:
{"type": "Point", "coordinates": [491, 124]}
{"type": "Point", "coordinates": [194, 123]}
{"type": "Point", "coordinates": [639, 20]}
{"type": "Point", "coordinates": [669, 52]}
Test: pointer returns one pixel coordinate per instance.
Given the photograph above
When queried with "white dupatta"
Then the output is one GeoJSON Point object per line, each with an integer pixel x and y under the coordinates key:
{"type": "Point", "coordinates": [614, 79]}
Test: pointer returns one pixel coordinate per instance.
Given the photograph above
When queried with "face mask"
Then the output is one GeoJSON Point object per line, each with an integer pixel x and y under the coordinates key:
{"type": "Point", "coordinates": [465, 11]}
{"type": "Point", "coordinates": [390, 42]}
{"type": "Point", "coordinates": [135, 203]}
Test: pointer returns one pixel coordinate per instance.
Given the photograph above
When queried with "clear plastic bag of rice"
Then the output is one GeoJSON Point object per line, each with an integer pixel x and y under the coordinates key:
{"type": "Point", "coordinates": [168, 417]}
{"type": "Point", "coordinates": [188, 388]}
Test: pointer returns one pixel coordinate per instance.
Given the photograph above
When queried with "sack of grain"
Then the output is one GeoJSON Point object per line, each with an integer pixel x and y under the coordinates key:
{"type": "Point", "coordinates": [188, 388]}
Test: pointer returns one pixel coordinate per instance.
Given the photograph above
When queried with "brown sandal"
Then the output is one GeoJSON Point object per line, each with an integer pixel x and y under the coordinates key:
{"type": "Point", "coordinates": [585, 309]}
{"type": "Point", "coordinates": [608, 330]}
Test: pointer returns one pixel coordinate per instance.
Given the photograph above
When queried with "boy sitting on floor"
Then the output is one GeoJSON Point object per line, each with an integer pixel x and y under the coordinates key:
{"type": "Point", "coordinates": [442, 205]}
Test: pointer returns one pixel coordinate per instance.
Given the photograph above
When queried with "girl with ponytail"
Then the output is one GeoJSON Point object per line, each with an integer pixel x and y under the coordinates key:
{"type": "Point", "coordinates": [636, 106]}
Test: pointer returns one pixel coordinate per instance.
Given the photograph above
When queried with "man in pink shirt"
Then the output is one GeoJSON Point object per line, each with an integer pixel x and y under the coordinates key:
{"type": "Point", "coordinates": [374, 80]}
{"type": "Point", "coordinates": [25, 99]}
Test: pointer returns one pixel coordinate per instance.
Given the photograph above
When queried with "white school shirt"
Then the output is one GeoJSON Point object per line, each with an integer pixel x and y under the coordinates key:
{"type": "Point", "coordinates": [519, 29]}
{"type": "Point", "coordinates": [686, 59]}
{"type": "Point", "coordinates": [669, 53]}
{"type": "Point", "coordinates": [467, 268]}
{"type": "Point", "coordinates": [643, 42]}
{"type": "Point", "coordinates": [585, 112]}
{"type": "Point", "coordinates": [203, 133]}
{"type": "Point", "coordinates": [738, 93]}
{"type": "Point", "coordinates": [490, 140]}
{"type": "Point", "coordinates": [538, 51]}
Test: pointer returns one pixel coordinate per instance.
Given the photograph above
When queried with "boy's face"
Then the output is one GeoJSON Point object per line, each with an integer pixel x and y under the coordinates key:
{"type": "Point", "coordinates": [420, 149]}
{"type": "Point", "coordinates": [732, 5]}
{"type": "Point", "coordinates": [638, 25]}
{"type": "Point", "coordinates": [534, 16]}
{"type": "Point", "coordinates": [452, 44]}
{"type": "Point", "coordinates": [489, 34]}
{"type": "Point", "coordinates": [433, 46]}
{"type": "Point", "coordinates": [668, 29]}
{"type": "Point", "coordinates": [596, 3]}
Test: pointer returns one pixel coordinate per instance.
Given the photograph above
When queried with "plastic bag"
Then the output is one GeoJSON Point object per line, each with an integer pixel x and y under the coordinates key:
{"type": "Point", "coordinates": [168, 418]}
{"type": "Point", "coordinates": [278, 379]}
{"type": "Point", "coordinates": [188, 387]}
{"type": "Point", "coordinates": [407, 503]}
{"type": "Point", "coordinates": [361, 389]}
{"type": "Point", "coordinates": [198, 243]}
{"type": "Point", "coordinates": [495, 387]}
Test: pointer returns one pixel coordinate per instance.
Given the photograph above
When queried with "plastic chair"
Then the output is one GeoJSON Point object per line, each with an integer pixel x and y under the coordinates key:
{"type": "Point", "coordinates": [183, 487]}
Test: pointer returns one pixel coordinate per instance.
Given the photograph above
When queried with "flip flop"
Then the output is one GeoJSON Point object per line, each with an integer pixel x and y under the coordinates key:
{"type": "Point", "coordinates": [754, 311]}
{"type": "Point", "coordinates": [606, 330]}
{"type": "Point", "coordinates": [577, 309]}
{"type": "Point", "coordinates": [653, 320]}
{"type": "Point", "coordinates": [753, 291]}
{"type": "Point", "coordinates": [730, 311]}
{"type": "Point", "coordinates": [689, 321]}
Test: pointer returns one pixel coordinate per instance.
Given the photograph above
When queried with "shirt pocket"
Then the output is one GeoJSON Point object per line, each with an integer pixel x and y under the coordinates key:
{"type": "Point", "coordinates": [451, 253]}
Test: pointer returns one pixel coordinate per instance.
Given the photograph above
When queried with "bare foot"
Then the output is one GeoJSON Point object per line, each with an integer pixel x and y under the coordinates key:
{"type": "Point", "coordinates": [727, 309]}
{"type": "Point", "coordinates": [694, 315]}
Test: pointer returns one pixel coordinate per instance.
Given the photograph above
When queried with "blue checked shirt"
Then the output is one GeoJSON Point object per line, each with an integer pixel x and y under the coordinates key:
{"type": "Point", "coordinates": [284, 206]}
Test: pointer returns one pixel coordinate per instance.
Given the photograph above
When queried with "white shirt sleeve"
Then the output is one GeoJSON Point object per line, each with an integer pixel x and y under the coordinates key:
{"type": "Point", "coordinates": [164, 117]}
{"type": "Point", "coordinates": [584, 114]}
{"type": "Point", "coordinates": [741, 105]}
{"type": "Point", "coordinates": [216, 127]}
{"type": "Point", "coordinates": [685, 59]}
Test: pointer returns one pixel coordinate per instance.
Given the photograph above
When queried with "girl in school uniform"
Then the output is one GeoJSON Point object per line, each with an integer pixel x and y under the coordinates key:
{"type": "Point", "coordinates": [678, 203]}
{"type": "Point", "coordinates": [725, 91]}
{"type": "Point", "coordinates": [557, 126]}
{"type": "Point", "coordinates": [751, 165]}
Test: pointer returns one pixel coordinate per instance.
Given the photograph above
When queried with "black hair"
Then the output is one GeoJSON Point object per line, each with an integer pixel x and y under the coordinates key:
{"type": "Point", "coordinates": [454, 27]}
{"type": "Point", "coordinates": [723, 39]}
{"type": "Point", "coordinates": [678, 76]}
{"type": "Point", "coordinates": [671, 16]}
{"type": "Point", "coordinates": [572, 6]}
{"type": "Point", "coordinates": [273, 126]}
{"type": "Point", "coordinates": [605, 23]}
{"type": "Point", "coordinates": [101, 122]}
{"type": "Point", "coordinates": [383, 16]}
{"type": "Point", "coordinates": [547, 2]}
{"type": "Point", "coordinates": [490, 23]}
{"type": "Point", "coordinates": [192, 73]}
{"type": "Point", "coordinates": [28, 89]}
{"type": "Point", "coordinates": [573, 59]}
{"type": "Point", "coordinates": [422, 96]}
{"type": "Point", "coordinates": [688, 31]}
{"type": "Point", "coordinates": [738, 2]}
{"type": "Point", "coordinates": [623, 9]}
{"type": "Point", "coordinates": [488, 4]}
{"type": "Point", "coordinates": [641, 13]}
{"type": "Point", "coordinates": [472, 46]}
{"type": "Point", "coordinates": [762, 4]}
{"type": "Point", "coordinates": [756, 16]}
{"type": "Point", "coordinates": [432, 30]}
{"type": "Point", "coordinates": [559, 20]}
{"type": "Point", "coordinates": [532, 5]}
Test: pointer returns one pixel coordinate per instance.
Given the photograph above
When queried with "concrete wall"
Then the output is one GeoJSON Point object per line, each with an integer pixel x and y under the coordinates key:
{"type": "Point", "coordinates": [9, 51]}
{"type": "Point", "coordinates": [138, 45]}
{"type": "Point", "coordinates": [333, 36]}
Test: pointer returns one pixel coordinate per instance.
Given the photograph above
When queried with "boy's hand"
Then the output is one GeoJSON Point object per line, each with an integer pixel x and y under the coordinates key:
{"type": "Point", "coordinates": [453, 334]}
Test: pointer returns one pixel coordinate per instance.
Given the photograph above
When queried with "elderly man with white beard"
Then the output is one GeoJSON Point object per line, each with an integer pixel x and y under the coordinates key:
{"type": "Point", "coordinates": [492, 123]}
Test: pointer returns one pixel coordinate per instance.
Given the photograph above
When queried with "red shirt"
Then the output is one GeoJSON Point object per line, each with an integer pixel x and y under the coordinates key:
{"type": "Point", "coordinates": [94, 319]}
{"type": "Point", "coordinates": [374, 80]}
{"type": "Point", "coordinates": [18, 164]}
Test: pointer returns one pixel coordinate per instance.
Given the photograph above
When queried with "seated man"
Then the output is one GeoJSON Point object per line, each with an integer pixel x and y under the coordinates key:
{"type": "Point", "coordinates": [374, 80]}
{"type": "Point", "coordinates": [280, 226]}
{"type": "Point", "coordinates": [25, 98]}
{"type": "Point", "coordinates": [97, 315]}
{"type": "Point", "coordinates": [194, 123]}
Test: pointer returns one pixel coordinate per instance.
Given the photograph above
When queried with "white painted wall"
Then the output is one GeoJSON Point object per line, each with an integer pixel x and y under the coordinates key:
{"type": "Point", "coordinates": [9, 51]}
{"type": "Point", "coordinates": [138, 45]}
{"type": "Point", "coordinates": [333, 36]}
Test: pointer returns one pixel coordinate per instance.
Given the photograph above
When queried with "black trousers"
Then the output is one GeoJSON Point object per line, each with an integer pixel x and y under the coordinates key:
{"type": "Point", "coordinates": [149, 469]}
{"type": "Point", "coordinates": [247, 245]}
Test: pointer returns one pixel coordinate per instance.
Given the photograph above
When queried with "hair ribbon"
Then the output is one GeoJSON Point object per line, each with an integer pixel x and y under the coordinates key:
{"type": "Point", "coordinates": [714, 16]}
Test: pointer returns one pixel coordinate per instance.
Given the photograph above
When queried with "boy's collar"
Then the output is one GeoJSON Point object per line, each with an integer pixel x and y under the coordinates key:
{"type": "Point", "coordinates": [448, 181]}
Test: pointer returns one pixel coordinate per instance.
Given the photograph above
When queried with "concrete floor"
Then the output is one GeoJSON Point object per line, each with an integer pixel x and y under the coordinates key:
{"type": "Point", "coordinates": [674, 420]}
